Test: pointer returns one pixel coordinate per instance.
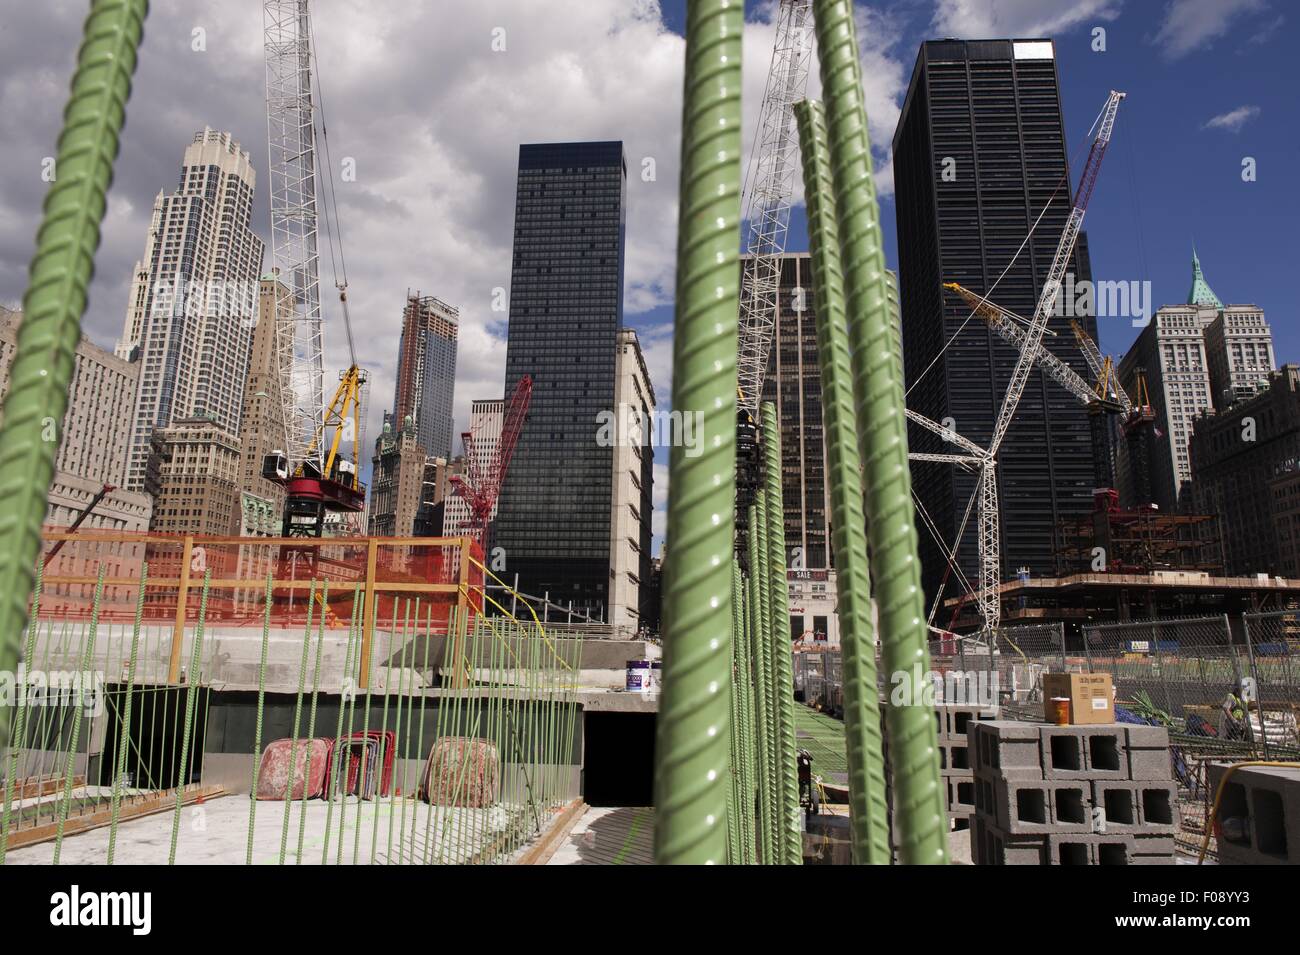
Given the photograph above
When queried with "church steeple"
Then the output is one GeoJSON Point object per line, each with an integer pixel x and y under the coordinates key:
{"type": "Point", "coordinates": [1201, 293]}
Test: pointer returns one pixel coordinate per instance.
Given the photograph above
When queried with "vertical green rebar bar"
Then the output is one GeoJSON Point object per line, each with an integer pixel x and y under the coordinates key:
{"type": "Point", "coordinates": [261, 709]}
{"type": "Point", "coordinates": [77, 707]}
{"type": "Point", "coordinates": [919, 807]}
{"type": "Point", "coordinates": [783, 669]}
{"type": "Point", "coordinates": [692, 753]}
{"type": "Point", "coordinates": [124, 738]}
{"type": "Point", "coordinates": [867, 804]}
{"type": "Point", "coordinates": [20, 718]}
{"type": "Point", "coordinates": [311, 723]}
{"type": "Point", "coordinates": [59, 275]}
{"type": "Point", "coordinates": [297, 721]}
{"type": "Point", "coordinates": [746, 719]}
{"type": "Point", "coordinates": [193, 677]}
{"type": "Point", "coordinates": [333, 768]}
{"type": "Point", "coordinates": [760, 632]}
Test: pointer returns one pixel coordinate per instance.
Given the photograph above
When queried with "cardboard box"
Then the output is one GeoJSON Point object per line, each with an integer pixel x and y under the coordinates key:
{"type": "Point", "coordinates": [1091, 696]}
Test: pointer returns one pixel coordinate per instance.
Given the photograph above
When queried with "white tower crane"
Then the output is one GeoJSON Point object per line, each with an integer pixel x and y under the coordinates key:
{"type": "Point", "coordinates": [987, 598]}
{"type": "Point", "coordinates": [290, 121]}
{"type": "Point", "coordinates": [769, 191]}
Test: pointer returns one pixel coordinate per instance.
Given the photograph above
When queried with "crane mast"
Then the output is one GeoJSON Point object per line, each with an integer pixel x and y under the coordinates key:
{"type": "Point", "coordinates": [770, 185]}
{"type": "Point", "coordinates": [291, 141]}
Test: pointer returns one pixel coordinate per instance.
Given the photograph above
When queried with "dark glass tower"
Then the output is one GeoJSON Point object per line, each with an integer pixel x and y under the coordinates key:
{"type": "Point", "coordinates": [566, 307]}
{"type": "Point", "coordinates": [979, 152]}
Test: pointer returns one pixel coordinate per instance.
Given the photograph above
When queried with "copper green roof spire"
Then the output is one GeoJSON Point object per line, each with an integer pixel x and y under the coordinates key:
{"type": "Point", "coordinates": [1201, 293]}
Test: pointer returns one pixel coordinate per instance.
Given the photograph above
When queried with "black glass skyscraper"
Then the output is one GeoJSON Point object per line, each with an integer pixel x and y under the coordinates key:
{"type": "Point", "coordinates": [566, 307]}
{"type": "Point", "coordinates": [978, 153]}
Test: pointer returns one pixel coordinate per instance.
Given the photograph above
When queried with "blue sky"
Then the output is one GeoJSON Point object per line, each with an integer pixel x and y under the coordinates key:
{"type": "Point", "coordinates": [1173, 174]}
{"type": "Point", "coordinates": [1168, 179]}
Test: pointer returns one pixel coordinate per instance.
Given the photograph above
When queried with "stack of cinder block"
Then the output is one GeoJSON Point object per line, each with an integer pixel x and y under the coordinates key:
{"type": "Point", "coordinates": [1259, 815]}
{"type": "Point", "coordinates": [953, 724]}
{"type": "Point", "coordinates": [1072, 795]}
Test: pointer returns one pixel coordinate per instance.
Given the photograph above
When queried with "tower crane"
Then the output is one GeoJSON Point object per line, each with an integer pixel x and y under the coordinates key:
{"type": "Point", "coordinates": [1030, 349]}
{"type": "Point", "coordinates": [769, 192]}
{"type": "Point", "coordinates": [315, 469]}
{"type": "Point", "coordinates": [486, 466]}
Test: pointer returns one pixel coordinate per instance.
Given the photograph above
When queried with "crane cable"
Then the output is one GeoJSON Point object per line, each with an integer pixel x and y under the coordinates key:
{"type": "Point", "coordinates": [1064, 180]}
{"type": "Point", "coordinates": [331, 199]}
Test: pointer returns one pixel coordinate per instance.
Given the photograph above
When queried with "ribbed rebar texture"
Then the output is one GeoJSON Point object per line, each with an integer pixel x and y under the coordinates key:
{"type": "Point", "coordinates": [791, 834]}
{"type": "Point", "coordinates": [692, 754]}
{"type": "Point", "coordinates": [919, 810]}
{"type": "Point", "coordinates": [867, 804]}
{"type": "Point", "coordinates": [56, 298]}
{"type": "Point", "coordinates": [767, 808]}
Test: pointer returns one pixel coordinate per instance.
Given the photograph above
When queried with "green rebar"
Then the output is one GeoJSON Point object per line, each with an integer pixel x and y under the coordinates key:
{"type": "Point", "coordinates": [783, 670]}
{"type": "Point", "coordinates": [919, 807]}
{"type": "Point", "coordinates": [59, 276]}
{"type": "Point", "coordinates": [311, 723]}
{"type": "Point", "coordinates": [332, 770]}
{"type": "Point", "coordinates": [20, 719]}
{"type": "Point", "coordinates": [867, 803]}
{"type": "Point", "coordinates": [692, 753]}
{"type": "Point", "coordinates": [77, 707]}
{"type": "Point", "coordinates": [191, 691]}
{"type": "Point", "coordinates": [759, 632]}
{"type": "Point", "coordinates": [261, 709]}
{"type": "Point", "coordinates": [297, 722]}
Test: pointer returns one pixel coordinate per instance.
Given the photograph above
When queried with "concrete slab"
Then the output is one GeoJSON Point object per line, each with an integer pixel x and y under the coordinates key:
{"type": "Point", "coordinates": [609, 836]}
{"type": "Point", "coordinates": [403, 831]}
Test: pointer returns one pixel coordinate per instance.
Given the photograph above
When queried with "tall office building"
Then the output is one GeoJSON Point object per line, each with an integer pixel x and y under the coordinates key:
{"type": "Point", "coordinates": [194, 298]}
{"type": "Point", "coordinates": [194, 478]}
{"type": "Point", "coordinates": [1196, 356]}
{"type": "Point", "coordinates": [426, 371]}
{"type": "Point", "coordinates": [486, 419]}
{"type": "Point", "coordinates": [633, 486]}
{"type": "Point", "coordinates": [566, 307]}
{"type": "Point", "coordinates": [92, 440]}
{"type": "Point", "coordinates": [262, 426]}
{"type": "Point", "coordinates": [396, 481]}
{"type": "Point", "coordinates": [979, 155]}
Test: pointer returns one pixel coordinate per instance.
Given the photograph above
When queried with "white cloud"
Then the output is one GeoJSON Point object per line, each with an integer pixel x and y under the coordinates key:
{"type": "Point", "coordinates": [998, 19]}
{"type": "Point", "coordinates": [1191, 24]}
{"type": "Point", "coordinates": [1233, 120]}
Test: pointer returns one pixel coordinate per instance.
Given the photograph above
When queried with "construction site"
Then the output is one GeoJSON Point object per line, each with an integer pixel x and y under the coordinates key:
{"type": "Point", "coordinates": [326, 696]}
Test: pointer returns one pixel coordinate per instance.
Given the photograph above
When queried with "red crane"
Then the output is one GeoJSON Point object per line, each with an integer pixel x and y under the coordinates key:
{"type": "Point", "coordinates": [486, 467]}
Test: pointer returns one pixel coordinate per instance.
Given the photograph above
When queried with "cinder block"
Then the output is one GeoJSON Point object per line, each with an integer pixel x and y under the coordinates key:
{"type": "Point", "coordinates": [1021, 806]}
{"type": "Point", "coordinates": [1269, 797]}
{"type": "Point", "coordinates": [1090, 849]}
{"type": "Point", "coordinates": [961, 795]}
{"type": "Point", "coordinates": [1120, 802]}
{"type": "Point", "coordinates": [1150, 764]}
{"type": "Point", "coordinates": [991, 846]}
{"type": "Point", "coordinates": [1071, 806]}
{"type": "Point", "coordinates": [960, 718]}
{"type": "Point", "coordinates": [1154, 846]}
{"type": "Point", "coordinates": [1009, 749]}
{"type": "Point", "coordinates": [1084, 752]}
{"type": "Point", "coordinates": [1146, 737]}
{"type": "Point", "coordinates": [1157, 806]}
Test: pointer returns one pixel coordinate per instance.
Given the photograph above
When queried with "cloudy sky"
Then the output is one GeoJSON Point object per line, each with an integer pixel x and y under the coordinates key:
{"type": "Point", "coordinates": [432, 116]}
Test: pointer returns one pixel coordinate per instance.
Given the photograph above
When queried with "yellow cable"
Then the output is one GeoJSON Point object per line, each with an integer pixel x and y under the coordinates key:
{"type": "Point", "coordinates": [1218, 795]}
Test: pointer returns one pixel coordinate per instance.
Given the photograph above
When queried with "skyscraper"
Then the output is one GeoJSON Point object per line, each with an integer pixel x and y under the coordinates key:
{"type": "Point", "coordinates": [426, 371]}
{"type": "Point", "coordinates": [979, 155]}
{"type": "Point", "coordinates": [486, 419]}
{"type": "Point", "coordinates": [262, 426]}
{"type": "Point", "coordinates": [194, 298]}
{"type": "Point", "coordinates": [566, 307]}
{"type": "Point", "coordinates": [633, 486]}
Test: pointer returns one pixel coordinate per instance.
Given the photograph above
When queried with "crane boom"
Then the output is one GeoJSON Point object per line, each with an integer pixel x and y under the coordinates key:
{"type": "Point", "coordinates": [770, 184]}
{"type": "Point", "coordinates": [1097, 364]}
{"type": "Point", "coordinates": [291, 142]}
{"type": "Point", "coordinates": [1009, 331]}
{"type": "Point", "coordinates": [1056, 274]}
